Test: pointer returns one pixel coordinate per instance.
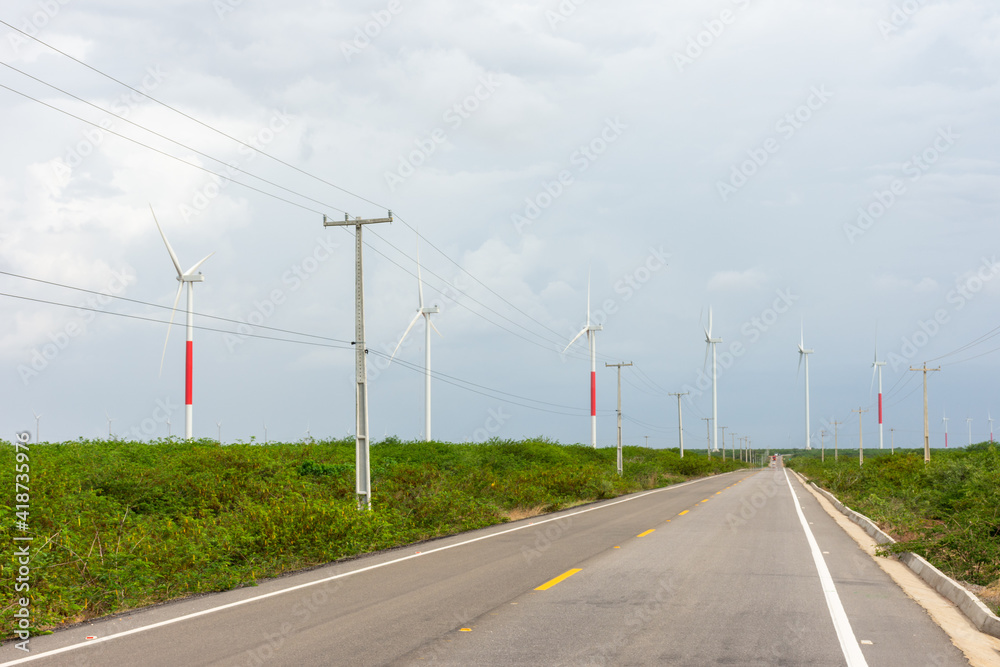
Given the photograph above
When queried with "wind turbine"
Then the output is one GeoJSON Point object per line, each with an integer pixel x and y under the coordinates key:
{"type": "Point", "coordinates": [591, 331]}
{"type": "Point", "coordinates": [39, 417]}
{"type": "Point", "coordinates": [969, 421]}
{"type": "Point", "coordinates": [110, 419]}
{"type": "Point", "coordinates": [945, 420]}
{"type": "Point", "coordinates": [989, 418]}
{"type": "Point", "coordinates": [189, 277]}
{"type": "Point", "coordinates": [877, 368]}
{"type": "Point", "coordinates": [425, 312]}
{"type": "Point", "coordinates": [712, 342]}
{"type": "Point", "coordinates": [804, 353]}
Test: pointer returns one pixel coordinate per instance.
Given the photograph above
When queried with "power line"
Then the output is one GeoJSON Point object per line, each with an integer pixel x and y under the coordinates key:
{"type": "Point", "coordinates": [267, 155]}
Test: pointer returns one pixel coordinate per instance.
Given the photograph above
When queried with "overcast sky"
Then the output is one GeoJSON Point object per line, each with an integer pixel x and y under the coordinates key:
{"type": "Point", "coordinates": [794, 166]}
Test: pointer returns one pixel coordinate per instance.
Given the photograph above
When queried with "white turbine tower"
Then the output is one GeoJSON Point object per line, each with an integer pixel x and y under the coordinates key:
{"type": "Point", "coordinates": [944, 418]}
{"type": "Point", "coordinates": [712, 342]}
{"type": "Point", "coordinates": [188, 277]}
{"type": "Point", "coordinates": [591, 331]}
{"type": "Point", "coordinates": [989, 418]}
{"type": "Point", "coordinates": [877, 366]}
{"type": "Point", "coordinates": [804, 353]}
{"type": "Point", "coordinates": [426, 313]}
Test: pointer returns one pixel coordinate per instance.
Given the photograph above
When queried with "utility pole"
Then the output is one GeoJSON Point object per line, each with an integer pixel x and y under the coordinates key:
{"type": "Point", "coordinates": [989, 419]}
{"type": "Point", "coordinates": [927, 431]}
{"type": "Point", "coordinates": [822, 446]}
{"type": "Point", "coordinates": [619, 367]}
{"type": "Point", "coordinates": [945, 420]}
{"type": "Point", "coordinates": [836, 456]}
{"type": "Point", "coordinates": [708, 427]}
{"type": "Point", "coordinates": [647, 441]}
{"type": "Point", "coordinates": [732, 445]}
{"type": "Point", "coordinates": [362, 465]}
{"type": "Point", "coordinates": [680, 421]}
{"type": "Point", "coordinates": [969, 420]}
{"type": "Point", "coordinates": [861, 444]}
{"type": "Point", "coordinates": [892, 440]}
{"type": "Point", "coordinates": [723, 442]}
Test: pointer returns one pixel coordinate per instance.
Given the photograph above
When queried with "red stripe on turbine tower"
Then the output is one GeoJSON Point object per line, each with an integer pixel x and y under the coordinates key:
{"type": "Point", "coordinates": [879, 407]}
{"type": "Point", "coordinates": [188, 383]}
{"type": "Point", "coordinates": [593, 393]}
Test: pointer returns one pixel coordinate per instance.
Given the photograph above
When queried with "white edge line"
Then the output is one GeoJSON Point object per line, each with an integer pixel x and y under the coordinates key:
{"type": "Point", "coordinates": [342, 575]}
{"type": "Point", "coordinates": [845, 634]}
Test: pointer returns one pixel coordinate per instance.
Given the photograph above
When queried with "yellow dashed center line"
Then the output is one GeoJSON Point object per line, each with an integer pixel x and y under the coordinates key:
{"type": "Point", "coordinates": [552, 582]}
{"type": "Point", "coordinates": [684, 512]}
{"type": "Point", "coordinates": [651, 530]}
{"type": "Point", "coordinates": [705, 500]}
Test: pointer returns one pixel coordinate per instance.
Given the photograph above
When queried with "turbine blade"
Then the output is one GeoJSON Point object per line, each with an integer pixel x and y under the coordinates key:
{"type": "Point", "coordinates": [704, 364]}
{"type": "Point", "coordinates": [403, 337]}
{"type": "Point", "coordinates": [802, 337]}
{"type": "Point", "coordinates": [431, 324]}
{"type": "Point", "coordinates": [173, 255]}
{"type": "Point", "coordinates": [709, 322]}
{"type": "Point", "coordinates": [588, 298]}
{"type": "Point", "coordinates": [195, 267]}
{"type": "Point", "coordinates": [582, 331]}
{"type": "Point", "coordinates": [799, 369]}
{"type": "Point", "coordinates": [170, 326]}
{"type": "Point", "coordinates": [420, 281]}
{"type": "Point", "coordinates": [872, 387]}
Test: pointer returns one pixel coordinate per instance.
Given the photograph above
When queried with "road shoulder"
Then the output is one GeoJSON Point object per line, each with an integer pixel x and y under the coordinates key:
{"type": "Point", "coordinates": [981, 650]}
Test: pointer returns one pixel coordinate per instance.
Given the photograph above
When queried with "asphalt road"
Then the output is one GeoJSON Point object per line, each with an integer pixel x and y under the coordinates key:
{"type": "Point", "coordinates": [718, 571]}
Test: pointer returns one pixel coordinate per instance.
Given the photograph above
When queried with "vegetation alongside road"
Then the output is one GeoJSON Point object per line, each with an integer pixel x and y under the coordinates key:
{"type": "Point", "coordinates": [119, 525]}
{"type": "Point", "coordinates": [948, 511]}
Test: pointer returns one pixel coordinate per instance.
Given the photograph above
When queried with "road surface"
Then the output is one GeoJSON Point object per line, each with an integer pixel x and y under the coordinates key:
{"type": "Point", "coordinates": [739, 569]}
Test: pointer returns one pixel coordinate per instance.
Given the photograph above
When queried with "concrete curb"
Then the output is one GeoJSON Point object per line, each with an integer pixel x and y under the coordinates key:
{"type": "Point", "coordinates": [968, 603]}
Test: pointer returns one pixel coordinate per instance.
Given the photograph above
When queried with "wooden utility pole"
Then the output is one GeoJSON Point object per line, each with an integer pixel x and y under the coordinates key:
{"type": "Point", "coordinates": [723, 442]}
{"type": "Point", "coordinates": [927, 430]}
{"type": "Point", "coordinates": [822, 446]}
{"type": "Point", "coordinates": [861, 444]}
{"type": "Point", "coordinates": [680, 421]}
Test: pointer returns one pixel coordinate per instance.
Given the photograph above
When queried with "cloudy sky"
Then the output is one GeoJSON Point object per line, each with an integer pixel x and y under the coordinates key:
{"type": "Point", "coordinates": [794, 166]}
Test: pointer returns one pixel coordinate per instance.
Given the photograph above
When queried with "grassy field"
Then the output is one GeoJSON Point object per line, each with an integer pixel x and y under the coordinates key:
{"type": "Point", "coordinates": [948, 511]}
{"type": "Point", "coordinates": [119, 525]}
